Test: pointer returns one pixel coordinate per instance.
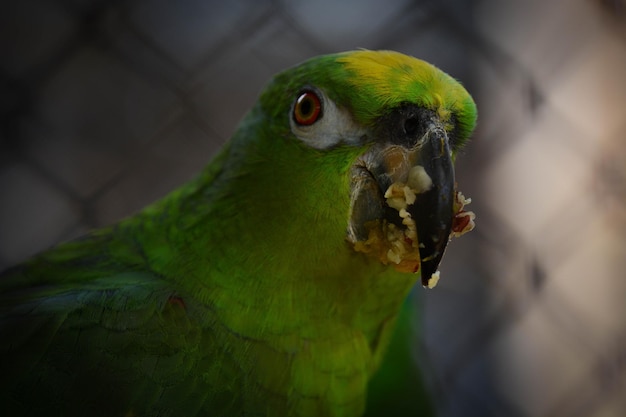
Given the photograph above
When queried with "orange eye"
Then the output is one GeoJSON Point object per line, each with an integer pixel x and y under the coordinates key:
{"type": "Point", "coordinates": [308, 108]}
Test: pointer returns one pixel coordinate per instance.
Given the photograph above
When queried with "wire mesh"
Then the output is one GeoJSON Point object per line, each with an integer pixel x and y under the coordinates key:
{"type": "Point", "coordinates": [108, 105]}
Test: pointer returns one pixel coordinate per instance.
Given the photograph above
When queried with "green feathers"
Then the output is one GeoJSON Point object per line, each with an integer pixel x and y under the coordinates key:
{"type": "Point", "coordinates": [371, 83]}
{"type": "Point", "coordinates": [241, 293]}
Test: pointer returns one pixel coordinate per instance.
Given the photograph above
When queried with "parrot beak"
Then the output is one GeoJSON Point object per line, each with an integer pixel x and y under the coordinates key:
{"type": "Point", "coordinates": [407, 179]}
{"type": "Point", "coordinates": [433, 210]}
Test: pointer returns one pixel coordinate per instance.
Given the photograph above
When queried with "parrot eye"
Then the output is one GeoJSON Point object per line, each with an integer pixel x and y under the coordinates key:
{"type": "Point", "coordinates": [308, 108]}
{"type": "Point", "coordinates": [317, 121]}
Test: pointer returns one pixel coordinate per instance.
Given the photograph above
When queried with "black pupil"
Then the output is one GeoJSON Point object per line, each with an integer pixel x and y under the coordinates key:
{"type": "Point", "coordinates": [411, 126]}
{"type": "Point", "coordinates": [306, 106]}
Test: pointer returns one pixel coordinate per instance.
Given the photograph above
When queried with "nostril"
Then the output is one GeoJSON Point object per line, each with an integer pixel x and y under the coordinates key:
{"type": "Point", "coordinates": [411, 126]}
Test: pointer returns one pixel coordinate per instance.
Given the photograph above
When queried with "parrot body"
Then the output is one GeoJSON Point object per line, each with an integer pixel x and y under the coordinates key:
{"type": "Point", "coordinates": [258, 288]}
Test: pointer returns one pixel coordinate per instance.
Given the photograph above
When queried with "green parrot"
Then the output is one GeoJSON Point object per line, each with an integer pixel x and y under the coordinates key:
{"type": "Point", "coordinates": [273, 283]}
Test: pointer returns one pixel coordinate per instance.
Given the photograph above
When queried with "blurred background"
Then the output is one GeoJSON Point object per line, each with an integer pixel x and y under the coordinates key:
{"type": "Point", "coordinates": [106, 106]}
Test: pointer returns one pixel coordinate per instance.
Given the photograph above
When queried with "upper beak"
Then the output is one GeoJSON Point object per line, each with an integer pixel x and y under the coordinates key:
{"type": "Point", "coordinates": [413, 141]}
{"type": "Point", "coordinates": [433, 210]}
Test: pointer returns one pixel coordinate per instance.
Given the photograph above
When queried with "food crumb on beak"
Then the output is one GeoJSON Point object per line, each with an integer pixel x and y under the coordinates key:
{"type": "Point", "coordinates": [399, 245]}
{"type": "Point", "coordinates": [463, 221]}
{"type": "Point", "coordinates": [433, 280]}
{"type": "Point", "coordinates": [419, 180]}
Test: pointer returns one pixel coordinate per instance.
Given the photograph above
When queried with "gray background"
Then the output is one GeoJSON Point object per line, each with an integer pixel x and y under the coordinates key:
{"type": "Point", "coordinates": [107, 105]}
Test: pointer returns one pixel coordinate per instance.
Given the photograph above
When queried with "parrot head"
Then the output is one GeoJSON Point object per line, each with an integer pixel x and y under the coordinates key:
{"type": "Point", "coordinates": [382, 130]}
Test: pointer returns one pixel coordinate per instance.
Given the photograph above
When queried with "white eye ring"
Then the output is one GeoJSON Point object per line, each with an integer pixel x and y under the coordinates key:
{"type": "Point", "coordinates": [327, 127]}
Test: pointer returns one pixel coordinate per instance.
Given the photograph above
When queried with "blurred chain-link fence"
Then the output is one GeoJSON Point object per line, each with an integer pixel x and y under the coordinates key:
{"type": "Point", "coordinates": [107, 105]}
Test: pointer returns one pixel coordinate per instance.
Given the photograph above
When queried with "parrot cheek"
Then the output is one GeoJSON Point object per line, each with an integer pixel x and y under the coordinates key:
{"type": "Point", "coordinates": [367, 203]}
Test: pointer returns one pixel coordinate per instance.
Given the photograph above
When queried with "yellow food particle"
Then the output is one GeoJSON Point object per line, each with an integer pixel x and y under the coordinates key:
{"type": "Point", "coordinates": [392, 244]}
{"type": "Point", "coordinates": [433, 280]}
{"type": "Point", "coordinates": [389, 244]}
{"type": "Point", "coordinates": [419, 180]}
{"type": "Point", "coordinates": [399, 196]}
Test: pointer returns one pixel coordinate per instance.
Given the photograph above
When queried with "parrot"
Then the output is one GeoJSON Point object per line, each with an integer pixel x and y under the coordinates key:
{"type": "Point", "coordinates": [277, 281]}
